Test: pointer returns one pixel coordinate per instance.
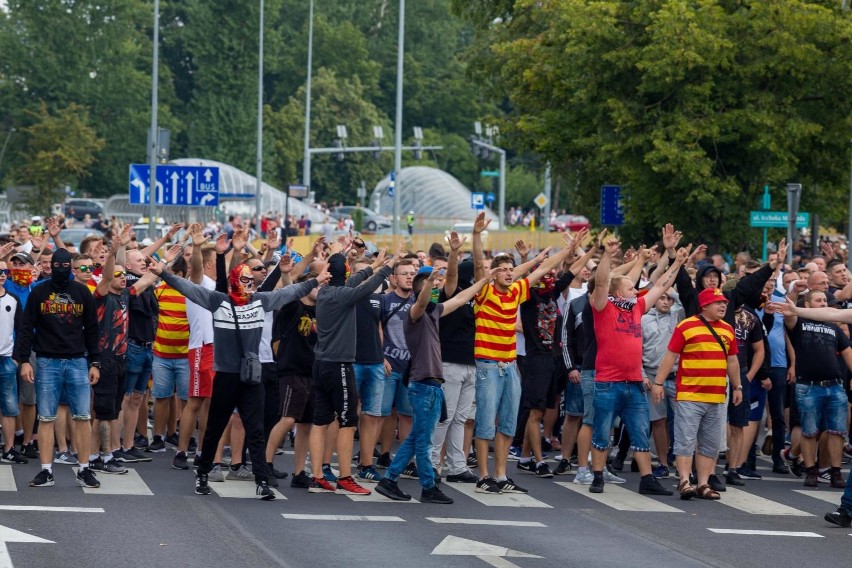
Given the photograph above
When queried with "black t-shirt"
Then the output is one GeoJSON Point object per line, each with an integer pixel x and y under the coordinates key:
{"type": "Point", "coordinates": [368, 344]}
{"type": "Point", "coordinates": [748, 329]}
{"type": "Point", "coordinates": [817, 345]}
{"type": "Point", "coordinates": [457, 331]}
{"type": "Point", "coordinates": [143, 313]}
{"type": "Point", "coordinates": [538, 318]}
{"type": "Point", "coordinates": [296, 325]}
{"type": "Point", "coordinates": [590, 349]}
{"type": "Point", "coordinates": [112, 322]}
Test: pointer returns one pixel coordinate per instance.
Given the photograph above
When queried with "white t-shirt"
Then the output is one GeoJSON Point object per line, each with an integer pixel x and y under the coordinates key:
{"type": "Point", "coordinates": [8, 307]}
{"type": "Point", "coordinates": [200, 320]}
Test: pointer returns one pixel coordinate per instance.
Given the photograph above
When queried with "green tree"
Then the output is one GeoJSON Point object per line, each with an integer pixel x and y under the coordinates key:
{"type": "Point", "coordinates": [692, 106]}
{"type": "Point", "coordinates": [60, 149]}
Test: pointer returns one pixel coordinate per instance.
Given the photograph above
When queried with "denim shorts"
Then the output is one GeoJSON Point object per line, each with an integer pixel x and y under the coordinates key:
{"type": "Point", "coordinates": [170, 375]}
{"type": "Point", "coordinates": [574, 399]}
{"type": "Point", "coordinates": [587, 385]}
{"type": "Point", "coordinates": [8, 387]}
{"type": "Point", "coordinates": [821, 408]}
{"type": "Point", "coordinates": [400, 397]}
{"type": "Point", "coordinates": [498, 396]}
{"type": "Point", "coordinates": [139, 360]}
{"type": "Point", "coordinates": [51, 375]}
{"type": "Point", "coordinates": [375, 389]}
{"type": "Point", "coordinates": [627, 400]}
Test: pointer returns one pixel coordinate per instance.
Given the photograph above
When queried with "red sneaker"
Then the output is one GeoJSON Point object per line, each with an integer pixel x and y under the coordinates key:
{"type": "Point", "coordinates": [347, 486]}
{"type": "Point", "coordinates": [320, 485]}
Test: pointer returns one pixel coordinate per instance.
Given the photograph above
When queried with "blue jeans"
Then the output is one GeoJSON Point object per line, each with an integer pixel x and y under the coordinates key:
{"type": "Point", "coordinates": [846, 499]}
{"type": "Point", "coordinates": [574, 399]}
{"type": "Point", "coordinates": [627, 400]}
{"type": "Point", "coordinates": [51, 376]}
{"type": "Point", "coordinates": [139, 361]}
{"type": "Point", "coordinates": [399, 396]}
{"type": "Point", "coordinates": [170, 375]}
{"type": "Point", "coordinates": [587, 384]}
{"type": "Point", "coordinates": [426, 401]}
{"type": "Point", "coordinates": [822, 408]}
{"type": "Point", "coordinates": [8, 387]}
{"type": "Point", "coordinates": [375, 389]}
{"type": "Point", "coordinates": [498, 396]}
{"type": "Point", "coordinates": [775, 400]}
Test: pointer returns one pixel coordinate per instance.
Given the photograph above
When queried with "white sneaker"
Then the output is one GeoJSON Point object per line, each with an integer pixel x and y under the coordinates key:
{"type": "Point", "coordinates": [584, 478]}
{"type": "Point", "coordinates": [612, 478]}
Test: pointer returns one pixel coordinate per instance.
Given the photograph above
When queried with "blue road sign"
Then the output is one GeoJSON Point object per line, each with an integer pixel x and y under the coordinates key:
{"type": "Point", "coordinates": [176, 185]}
{"type": "Point", "coordinates": [477, 200]}
{"type": "Point", "coordinates": [391, 184]}
{"type": "Point", "coordinates": [490, 197]}
{"type": "Point", "coordinates": [612, 210]}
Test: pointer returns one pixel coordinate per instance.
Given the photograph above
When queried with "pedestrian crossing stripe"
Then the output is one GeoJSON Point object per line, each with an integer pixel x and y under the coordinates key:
{"type": "Point", "coordinates": [239, 490]}
{"type": "Point", "coordinates": [500, 500]}
{"type": "Point", "coordinates": [125, 484]}
{"type": "Point", "coordinates": [821, 495]}
{"type": "Point", "coordinates": [376, 498]}
{"type": "Point", "coordinates": [750, 503]}
{"type": "Point", "coordinates": [621, 499]}
{"type": "Point", "coordinates": [7, 479]}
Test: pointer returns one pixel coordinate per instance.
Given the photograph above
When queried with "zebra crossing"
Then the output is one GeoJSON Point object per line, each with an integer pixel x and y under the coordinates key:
{"type": "Point", "coordinates": [791, 501]}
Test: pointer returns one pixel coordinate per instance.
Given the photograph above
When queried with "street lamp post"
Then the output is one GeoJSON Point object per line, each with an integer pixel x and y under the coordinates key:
{"type": "Point", "coordinates": [397, 153]}
{"type": "Point", "coordinates": [5, 144]}
{"type": "Point", "coordinates": [154, 138]}
{"type": "Point", "coordinates": [259, 171]}
{"type": "Point", "coordinates": [306, 159]}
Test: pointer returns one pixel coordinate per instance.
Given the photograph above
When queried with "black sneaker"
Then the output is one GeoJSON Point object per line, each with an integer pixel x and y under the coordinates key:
{"type": "Point", "coordinates": [435, 495]}
{"type": "Point", "coordinates": [734, 479]}
{"type": "Point", "coordinates": [157, 446]}
{"type": "Point", "coordinates": [617, 462]}
{"type": "Point", "coordinates": [29, 451]}
{"type": "Point", "coordinates": [133, 455]}
{"type": "Point", "coordinates": [410, 472]}
{"type": "Point", "coordinates": [840, 517]}
{"type": "Point", "coordinates": [140, 441]}
{"type": "Point", "coordinates": [509, 486]}
{"type": "Point", "coordinates": [383, 461]}
{"type": "Point", "coordinates": [180, 461]}
{"type": "Point", "coordinates": [193, 446]}
{"type": "Point", "coordinates": [811, 477]}
{"type": "Point", "coordinates": [563, 468]}
{"type": "Point", "coordinates": [526, 467]}
{"type": "Point", "coordinates": [543, 471]}
{"type": "Point", "coordinates": [715, 483]}
{"type": "Point", "coordinates": [465, 477]}
{"type": "Point", "coordinates": [263, 492]}
{"type": "Point", "coordinates": [471, 460]}
{"type": "Point", "coordinates": [273, 482]}
{"type": "Point", "coordinates": [86, 478]}
{"type": "Point", "coordinates": [112, 466]}
{"type": "Point", "coordinates": [781, 468]}
{"type": "Point", "coordinates": [13, 456]}
{"type": "Point", "coordinates": [44, 478]}
{"type": "Point", "coordinates": [173, 440]}
{"type": "Point", "coordinates": [391, 490]}
{"type": "Point", "coordinates": [300, 480]}
{"type": "Point", "coordinates": [276, 473]}
{"type": "Point", "coordinates": [487, 485]}
{"type": "Point", "coordinates": [650, 486]}
{"type": "Point", "coordinates": [201, 486]}
{"type": "Point", "coordinates": [748, 472]}
{"type": "Point", "coordinates": [597, 485]}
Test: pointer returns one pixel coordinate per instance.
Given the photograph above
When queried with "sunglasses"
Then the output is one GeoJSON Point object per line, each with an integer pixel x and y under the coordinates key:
{"type": "Point", "coordinates": [5, 272]}
{"type": "Point", "coordinates": [119, 274]}
{"type": "Point", "coordinates": [258, 268]}
{"type": "Point", "coordinates": [359, 244]}
{"type": "Point", "coordinates": [84, 268]}
{"type": "Point", "coordinates": [245, 279]}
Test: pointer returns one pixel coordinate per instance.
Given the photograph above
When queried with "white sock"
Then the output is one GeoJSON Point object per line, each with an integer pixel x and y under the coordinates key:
{"type": "Point", "coordinates": [93, 457]}
{"type": "Point", "coordinates": [84, 466]}
{"type": "Point", "coordinates": [47, 466]}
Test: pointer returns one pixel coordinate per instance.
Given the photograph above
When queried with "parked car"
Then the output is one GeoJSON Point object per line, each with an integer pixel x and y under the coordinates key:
{"type": "Point", "coordinates": [571, 223]}
{"type": "Point", "coordinates": [75, 236]}
{"type": "Point", "coordinates": [372, 220]}
{"type": "Point", "coordinates": [79, 208]}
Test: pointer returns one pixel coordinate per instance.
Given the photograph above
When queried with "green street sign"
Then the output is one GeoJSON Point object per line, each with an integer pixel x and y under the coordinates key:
{"type": "Point", "coordinates": [489, 173]}
{"type": "Point", "coordinates": [768, 219]}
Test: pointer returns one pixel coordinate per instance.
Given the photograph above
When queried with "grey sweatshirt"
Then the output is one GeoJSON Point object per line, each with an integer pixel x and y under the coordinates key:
{"type": "Point", "coordinates": [336, 327]}
{"type": "Point", "coordinates": [226, 349]}
{"type": "Point", "coordinates": [657, 331]}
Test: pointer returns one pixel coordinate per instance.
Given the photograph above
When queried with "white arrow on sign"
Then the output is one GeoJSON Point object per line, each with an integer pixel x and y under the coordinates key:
{"type": "Point", "coordinates": [159, 193]}
{"type": "Point", "coordinates": [140, 185]}
{"type": "Point", "coordinates": [190, 187]}
{"type": "Point", "coordinates": [206, 199]}
{"type": "Point", "coordinates": [490, 553]}
{"type": "Point", "coordinates": [175, 178]}
{"type": "Point", "coordinates": [207, 175]}
{"type": "Point", "coordinates": [11, 535]}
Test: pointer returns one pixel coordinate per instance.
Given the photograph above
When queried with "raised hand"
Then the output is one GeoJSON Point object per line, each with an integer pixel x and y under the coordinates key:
{"type": "Point", "coordinates": [222, 244]}
{"type": "Point", "coordinates": [480, 223]}
{"type": "Point", "coordinates": [522, 248]}
{"type": "Point", "coordinates": [286, 265]}
{"type": "Point", "coordinates": [644, 254]}
{"type": "Point", "coordinates": [240, 238]}
{"type": "Point", "coordinates": [671, 238]}
{"type": "Point", "coordinates": [53, 227]}
{"type": "Point", "coordinates": [683, 253]}
{"type": "Point", "coordinates": [196, 231]}
{"type": "Point", "coordinates": [827, 250]}
{"type": "Point", "coordinates": [629, 254]}
{"type": "Point", "coordinates": [698, 250]}
{"type": "Point", "coordinates": [611, 246]}
{"type": "Point", "coordinates": [126, 234]}
{"type": "Point", "coordinates": [6, 249]}
{"type": "Point", "coordinates": [602, 237]}
{"type": "Point", "coordinates": [455, 241]}
{"type": "Point", "coordinates": [379, 261]}
{"type": "Point", "coordinates": [540, 257]}
{"type": "Point", "coordinates": [172, 253]}
{"type": "Point", "coordinates": [173, 230]}
{"type": "Point", "coordinates": [782, 251]}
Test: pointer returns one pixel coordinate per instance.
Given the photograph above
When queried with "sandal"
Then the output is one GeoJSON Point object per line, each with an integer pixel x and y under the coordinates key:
{"type": "Point", "coordinates": [707, 492]}
{"type": "Point", "coordinates": [686, 490]}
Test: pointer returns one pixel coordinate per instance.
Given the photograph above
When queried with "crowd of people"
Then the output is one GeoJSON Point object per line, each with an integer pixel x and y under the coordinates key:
{"type": "Point", "coordinates": [467, 360]}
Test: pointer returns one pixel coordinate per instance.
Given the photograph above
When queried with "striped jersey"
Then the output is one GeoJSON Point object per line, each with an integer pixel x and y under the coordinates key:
{"type": "Point", "coordinates": [495, 315]}
{"type": "Point", "coordinates": [702, 372]}
{"type": "Point", "coordinates": [172, 338]}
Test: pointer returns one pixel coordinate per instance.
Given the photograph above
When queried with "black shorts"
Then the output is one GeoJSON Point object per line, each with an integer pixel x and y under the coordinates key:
{"type": "Point", "coordinates": [538, 384]}
{"type": "Point", "coordinates": [795, 417]}
{"type": "Point", "coordinates": [738, 415]}
{"type": "Point", "coordinates": [335, 392]}
{"type": "Point", "coordinates": [296, 398]}
{"type": "Point", "coordinates": [109, 390]}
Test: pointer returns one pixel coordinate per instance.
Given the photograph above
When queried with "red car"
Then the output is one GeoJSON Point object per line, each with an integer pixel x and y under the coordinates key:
{"type": "Point", "coordinates": [571, 223]}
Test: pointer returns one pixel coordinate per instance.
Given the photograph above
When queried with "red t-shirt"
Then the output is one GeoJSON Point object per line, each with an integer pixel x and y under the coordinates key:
{"type": "Point", "coordinates": [619, 337]}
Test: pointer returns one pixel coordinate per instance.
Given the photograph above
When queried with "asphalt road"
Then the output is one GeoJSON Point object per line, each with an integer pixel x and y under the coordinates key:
{"type": "Point", "coordinates": [151, 517]}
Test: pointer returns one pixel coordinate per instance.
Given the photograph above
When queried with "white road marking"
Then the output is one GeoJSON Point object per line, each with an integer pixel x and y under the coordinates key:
{"type": "Point", "coordinates": [11, 535]}
{"type": "Point", "coordinates": [126, 484]}
{"type": "Point", "coordinates": [756, 505]}
{"type": "Point", "coordinates": [766, 533]}
{"type": "Point", "coordinates": [239, 490]}
{"type": "Point", "coordinates": [621, 499]}
{"type": "Point", "coordinates": [7, 479]}
{"type": "Point", "coordinates": [376, 518]}
{"type": "Point", "coordinates": [376, 498]}
{"type": "Point", "coordinates": [490, 522]}
{"type": "Point", "coordinates": [51, 509]}
{"type": "Point", "coordinates": [456, 546]}
{"type": "Point", "coordinates": [501, 500]}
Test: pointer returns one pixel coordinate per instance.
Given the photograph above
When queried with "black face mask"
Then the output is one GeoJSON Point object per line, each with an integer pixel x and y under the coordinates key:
{"type": "Point", "coordinates": [60, 275]}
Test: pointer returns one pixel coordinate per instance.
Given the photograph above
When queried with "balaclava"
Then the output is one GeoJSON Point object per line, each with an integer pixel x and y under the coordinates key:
{"type": "Point", "coordinates": [60, 275]}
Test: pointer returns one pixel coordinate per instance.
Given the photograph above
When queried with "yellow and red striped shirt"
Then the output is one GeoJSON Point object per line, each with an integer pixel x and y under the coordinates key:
{"type": "Point", "coordinates": [703, 367]}
{"type": "Point", "coordinates": [172, 338]}
{"type": "Point", "coordinates": [496, 314]}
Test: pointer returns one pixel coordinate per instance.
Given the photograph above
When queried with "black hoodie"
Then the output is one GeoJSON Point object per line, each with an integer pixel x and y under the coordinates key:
{"type": "Point", "coordinates": [748, 289]}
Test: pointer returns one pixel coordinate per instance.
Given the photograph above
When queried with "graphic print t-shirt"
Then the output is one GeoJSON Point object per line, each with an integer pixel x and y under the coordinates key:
{"type": "Point", "coordinates": [817, 345]}
{"type": "Point", "coordinates": [112, 322]}
{"type": "Point", "coordinates": [538, 317]}
{"type": "Point", "coordinates": [619, 336]}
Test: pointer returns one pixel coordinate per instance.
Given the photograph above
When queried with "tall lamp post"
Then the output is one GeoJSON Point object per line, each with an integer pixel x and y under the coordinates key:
{"type": "Point", "coordinates": [154, 138]}
{"type": "Point", "coordinates": [259, 171]}
{"type": "Point", "coordinates": [5, 144]}
{"type": "Point", "coordinates": [306, 159]}
{"type": "Point", "coordinates": [397, 151]}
